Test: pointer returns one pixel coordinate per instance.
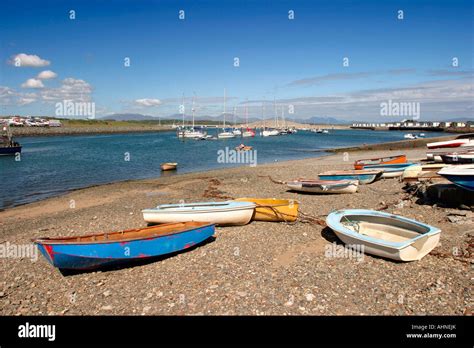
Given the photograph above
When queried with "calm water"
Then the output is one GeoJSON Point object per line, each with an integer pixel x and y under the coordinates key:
{"type": "Point", "coordinates": [53, 165]}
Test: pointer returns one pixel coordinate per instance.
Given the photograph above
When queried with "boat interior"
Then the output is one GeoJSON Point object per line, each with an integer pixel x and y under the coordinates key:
{"type": "Point", "coordinates": [139, 233]}
{"type": "Point", "coordinates": [383, 228]}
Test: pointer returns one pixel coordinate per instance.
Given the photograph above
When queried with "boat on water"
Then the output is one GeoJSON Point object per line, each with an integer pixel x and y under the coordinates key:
{"type": "Point", "coordinates": [102, 249]}
{"type": "Point", "coordinates": [410, 136]}
{"type": "Point", "coordinates": [383, 234]}
{"type": "Point", "coordinates": [169, 166]}
{"type": "Point", "coordinates": [237, 132]}
{"type": "Point", "coordinates": [324, 186]}
{"type": "Point", "coordinates": [226, 133]}
{"type": "Point", "coordinates": [363, 176]}
{"type": "Point", "coordinates": [243, 147]}
{"type": "Point", "coordinates": [359, 164]}
{"type": "Point", "coordinates": [419, 172]}
{"type": "Point", "coordinates": [248, 133]}
{"type": "Point", "coordinates": [192, 132]}
{"type": "Point", "coordinates": [390, 170]}
{"type": "Point", "coordinates": [8, 147]}
{"type": "Point", "coordinates": [270, 132]}
{"type": "Point", "coordinates": [461, 175]}
{"type": "Point", "coordinates": [273, 210]}
{"type": "Point", "coordinates": [455, 158]}
{"type": "Point", "coordinates": [219, 213]}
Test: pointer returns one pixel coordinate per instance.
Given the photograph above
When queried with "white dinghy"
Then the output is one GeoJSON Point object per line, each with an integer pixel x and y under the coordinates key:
{"type": "Point", "coordinates": [382, 234]}
{"type": "Point", "coordinates": [219, 213]}
{"type": "Point", "coordinates": [324, 186]}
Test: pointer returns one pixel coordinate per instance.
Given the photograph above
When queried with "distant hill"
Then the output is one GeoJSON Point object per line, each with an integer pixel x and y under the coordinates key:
{"type": "Point", "coordinates": [129, 117]}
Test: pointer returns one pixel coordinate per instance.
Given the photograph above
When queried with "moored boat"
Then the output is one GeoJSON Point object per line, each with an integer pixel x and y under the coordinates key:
{"type": "Point", "coordinates": [363, 176]}
{"type": "Point", "coordinates": [383, 234]}
{"type": "Point", "coordinates": [359, 164]}
{"type": "Point", "coordinates": [243, 147]}
{"type": "Point", "coordinates": [169, 166]}
{"type": "Point", "coordinates": [461, 175]}
{"type": "Point", "coordinates": [270, 132]}
{"type": "Point", "coordinates": [272, 209]}
{"type": "Point", "coordinates": [102, 249]}
{"type": "Point", "coordinates": [7, 145]}
{"type": "Point", "coordinates": [219, 213]}
{"type": "Point", "coordinates": [324, 186]}
{"type": "Point", "coordinates": [248, 133]}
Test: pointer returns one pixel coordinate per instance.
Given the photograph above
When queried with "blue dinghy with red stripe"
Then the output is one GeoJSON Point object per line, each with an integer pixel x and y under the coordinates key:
{"type": "Point", "coordinates": [98, 250]}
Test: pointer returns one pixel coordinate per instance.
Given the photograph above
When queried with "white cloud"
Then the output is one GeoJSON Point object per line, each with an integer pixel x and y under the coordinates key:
{"type": "Point", "coordinates": [25, 101]}
{"type": "Point", "coordinates": [148, 102]}
{"type": "Point", "coordinates": [46, 75]}
{"type": "Point", "coordinates": [28, 60]}
{"type": "Point", "coordinates": [32, 83]}
{"type": "Point", "coordinates": [71, 89]}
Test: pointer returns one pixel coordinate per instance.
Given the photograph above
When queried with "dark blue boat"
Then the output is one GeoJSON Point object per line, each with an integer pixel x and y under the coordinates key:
{"type": "Point", "coordinates": [9, 150]}
{"type": "Point", "coordinates": [7, 145]}
{"type": "Point", "coordinates": [461, 175]}
{"type": "Point", "coordinates": [103, 249]}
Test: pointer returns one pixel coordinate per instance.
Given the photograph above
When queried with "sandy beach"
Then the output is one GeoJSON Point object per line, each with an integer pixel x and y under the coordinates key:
{"type": "Point", "coordinates": [257, 269]}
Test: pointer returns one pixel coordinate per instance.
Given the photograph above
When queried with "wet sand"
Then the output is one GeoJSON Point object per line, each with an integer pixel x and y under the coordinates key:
{"type": "Point", "coordinates": [257, 269]}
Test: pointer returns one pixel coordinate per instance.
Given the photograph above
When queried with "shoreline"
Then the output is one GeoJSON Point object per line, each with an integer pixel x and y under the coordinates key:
{"type": "Point", "coordinates": [259, 268]}
{"type": "Point", "coordinates": [402, 144]}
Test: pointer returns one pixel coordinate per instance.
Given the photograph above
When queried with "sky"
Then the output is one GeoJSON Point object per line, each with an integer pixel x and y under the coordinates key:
{"type": "Point", "coordinates": [338, 59]}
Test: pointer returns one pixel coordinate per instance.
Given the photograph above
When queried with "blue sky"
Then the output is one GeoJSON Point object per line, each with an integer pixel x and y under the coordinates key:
{"type": "Point", "coordinates": [297, 62]}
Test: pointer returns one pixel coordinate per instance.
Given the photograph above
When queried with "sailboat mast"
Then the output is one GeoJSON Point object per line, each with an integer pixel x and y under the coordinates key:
{"type": "Point", "coordinates": [182, 104]}
{"type": "Point", "coordinates": [275, 111]}
{"type": "Point", "coordinates": [194, 96]}
{"type": "Point", "coordinates": [283, 116]}
{"type": "Point", "coordinates": [224, 107]}
{"type": "Point", "coordinates": [247, 114]}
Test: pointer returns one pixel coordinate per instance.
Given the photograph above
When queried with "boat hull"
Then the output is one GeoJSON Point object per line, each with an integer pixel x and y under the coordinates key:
{"type": "Point", "coordinates": [382, 160]}
{"type": "Point", "coordinates": [169, 166]}
{"type": "Point", "coordinates": [447, 144]}
{"type": "Point", "coordinates": [363, 179]}
{"type": "Point", "coordinates": [273, 210]}
{"type": "Point", "coordinates": [458, 159]}
{"type": "Point", "coordinates": [85, 256]}
{"type": "Point", "coordinates": [461, 181]}
{"type": "Point", "coordinates": [10, 151]}
{"type": "Point", "coordinates": [226, 135]}
{"type": "Point", "coordinates": [219, 213]}
{"type": "Point", "coordinates": [322, 187]}
{"type": "Point", "coordinates": [382, 234]}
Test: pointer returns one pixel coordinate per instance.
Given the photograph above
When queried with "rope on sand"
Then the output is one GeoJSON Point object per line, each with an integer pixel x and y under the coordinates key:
{"type": "Point", "coordinates": [273, 180]}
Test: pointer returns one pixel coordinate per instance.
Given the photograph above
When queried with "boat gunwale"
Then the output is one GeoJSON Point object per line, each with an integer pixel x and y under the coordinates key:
{"type": "Point", "coordinates": [334, 218]}
{"type": "Point", "coordinates": [356, 172]}
{"type": "Point", "coordinates": [379, 158]}
{"type": "Point", "coordinates": [64, 240]}
{"type": "Point", "coordinates": [203, 207]}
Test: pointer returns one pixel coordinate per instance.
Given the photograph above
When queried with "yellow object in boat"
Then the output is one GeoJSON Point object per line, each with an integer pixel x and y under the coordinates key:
{"type": "Point", "coordinates": [272, 209]}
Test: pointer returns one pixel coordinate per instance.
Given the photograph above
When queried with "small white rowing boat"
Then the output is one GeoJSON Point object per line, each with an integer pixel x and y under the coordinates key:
{"type": "Point", "coordinates": [219, 213]}
{"type": "Point", "coordinates": [324, 186]}
{"type": "Point", "coordinates": [382, 234]}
